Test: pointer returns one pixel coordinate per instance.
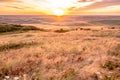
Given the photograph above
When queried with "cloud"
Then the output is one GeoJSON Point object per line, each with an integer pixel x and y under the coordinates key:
{"type": "Point", "coordinates": [17, 7]}
{"type": "Point", "coordinates": [90, 0]}
{"type": "Point", "coordinates": [6, 1]}
{"type": "Point", "coordinates": [14, 4]}
{"type": "Point", "coordinates": [97, 3]}
{"type": "Point", "coordinates": [104, 3]}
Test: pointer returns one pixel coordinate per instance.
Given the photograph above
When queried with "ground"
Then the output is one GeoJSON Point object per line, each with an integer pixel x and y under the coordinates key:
{"type": "Point", "coordinates": [80, 53]}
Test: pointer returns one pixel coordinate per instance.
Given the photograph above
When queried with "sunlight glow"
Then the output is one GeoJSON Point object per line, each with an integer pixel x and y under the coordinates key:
{"type": "Point", "coordinates": [58, 12]}
{"type": "Point", "coordinates": [58, 7]}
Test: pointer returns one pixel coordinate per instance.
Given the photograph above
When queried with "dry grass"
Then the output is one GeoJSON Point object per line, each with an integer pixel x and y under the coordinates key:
{"type": "Point", "coordinates": [115, 51]}
{"type": "Point", "coordinates": [74, 55]}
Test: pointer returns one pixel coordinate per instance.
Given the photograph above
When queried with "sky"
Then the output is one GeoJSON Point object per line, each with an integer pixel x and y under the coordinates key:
{"type": "Point", "coordinates": [60, 7]}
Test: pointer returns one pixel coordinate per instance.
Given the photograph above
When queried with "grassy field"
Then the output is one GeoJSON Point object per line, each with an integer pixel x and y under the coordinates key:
{"type": "Point", "coordinates": [80, 53]}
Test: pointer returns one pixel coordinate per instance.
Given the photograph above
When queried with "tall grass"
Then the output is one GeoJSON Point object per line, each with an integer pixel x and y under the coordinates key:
{"type": "Point", "coordinates": [70, 74]}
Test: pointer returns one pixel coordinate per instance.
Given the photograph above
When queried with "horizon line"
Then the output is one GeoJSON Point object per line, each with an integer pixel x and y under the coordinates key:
{"type": "Point", "coordinates": [68, 15]}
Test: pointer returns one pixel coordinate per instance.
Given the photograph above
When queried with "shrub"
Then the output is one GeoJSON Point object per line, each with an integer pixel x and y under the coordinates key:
{"type": "Point", "coordinates": [12, 28]}
{"type": "Point", "coordinates": [111, 65]}
{"type": "Point", "coordinates": [95, 76]}
{"type": "Point", "coordinates": [61, 31]}
{"type": "Point", "coordinates": [15, 46]}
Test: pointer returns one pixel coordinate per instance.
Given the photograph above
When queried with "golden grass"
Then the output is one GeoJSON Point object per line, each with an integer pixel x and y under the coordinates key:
{"type": "Point", "coordinates": [115, 51]}
{"type": "Point", "coordinates": [75, 55]}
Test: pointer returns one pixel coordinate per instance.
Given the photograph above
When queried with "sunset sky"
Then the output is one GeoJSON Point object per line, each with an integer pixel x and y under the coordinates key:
{"type": "Point", "coordinates": [60, 7]}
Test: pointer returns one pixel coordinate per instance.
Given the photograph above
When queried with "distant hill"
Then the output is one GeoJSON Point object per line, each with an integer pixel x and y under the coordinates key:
{"type": "Point", "coordinates": [106, 22]}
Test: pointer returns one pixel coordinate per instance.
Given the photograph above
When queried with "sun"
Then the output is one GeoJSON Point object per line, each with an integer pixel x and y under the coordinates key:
{"type": "Point", "coordinates": [58, 12]}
